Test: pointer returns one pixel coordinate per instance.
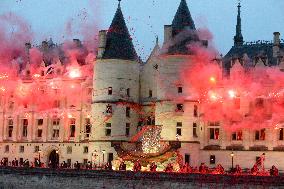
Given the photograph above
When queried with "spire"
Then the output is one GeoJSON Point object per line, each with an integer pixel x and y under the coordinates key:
{"type": "Point", "coordinates": [182, 19]}
{"type": "Point", "coordinates": [118, 41]}
{"type": "Point", "coordinates": [238, 39]}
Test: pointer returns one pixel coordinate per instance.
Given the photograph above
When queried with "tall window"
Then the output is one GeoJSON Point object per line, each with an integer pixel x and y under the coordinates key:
{"type": "Point", "coordinates": [150, 93]}
{"type": "Point", "coordinates": [86, 149]}
{"type": "Point", "coordinates": [237, 135]}
{"type": "Point", "coordinates": [10, 127]}
{"type": "Point", "coordinates": [109, 91]}
{"type": "Point", "coordinates": [7, 149]}
{"type": "Point", "coordinates": [127, 129]}
{"type": "Point", "coordinates": [128, 92]}
{"type": "Point", "coordinates": [127, 111]}
{"type": "Point", "coordinates": [87, 127]}
{"type": "Point", "coordinates": [281, 134]}
{"type": "Point", "coordinates": [72, 124]}
{"type": "Point", "coordinates": [178, 128]}
{"type": "Point", "coordinates": [214, 133]}
{"type": "Point", "coordinates": [25, 127]}
{"type": "Point", "coordinates": [55, 133]}
{"type": "Point", "coordinates": [260, 134]}
{"type": "Point", "coordinates": [39, 133]}
{"type": "Point", "coordinates": [108, 129]}
{"type": "Point", "coordinates": [180, 90]}
{"type": "Point", "coordinates": [195, 111]}
{"type": "Point", "coordinates": [194, 130]}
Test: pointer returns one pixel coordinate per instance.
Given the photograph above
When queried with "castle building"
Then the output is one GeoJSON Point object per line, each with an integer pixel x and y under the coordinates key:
{"type": "Point", "coordinates": [88, 119]}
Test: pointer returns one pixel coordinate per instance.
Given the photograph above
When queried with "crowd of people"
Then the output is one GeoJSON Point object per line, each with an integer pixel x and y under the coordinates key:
{"type": "Point", "coordinates": [257, 169]}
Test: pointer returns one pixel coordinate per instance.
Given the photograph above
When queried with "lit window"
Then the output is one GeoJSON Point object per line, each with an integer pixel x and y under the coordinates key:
{"type": "Point", "coordinates": [212, 159]}
{"type": "Point", "coordinates": [110, 91]}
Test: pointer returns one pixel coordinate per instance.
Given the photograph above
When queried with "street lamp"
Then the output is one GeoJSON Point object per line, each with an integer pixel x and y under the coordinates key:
{"type": "Point", "coordinates": [232, 156]}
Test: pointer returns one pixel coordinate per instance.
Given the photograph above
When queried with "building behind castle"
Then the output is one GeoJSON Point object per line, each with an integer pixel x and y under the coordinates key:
{"type": "Point", "coordinates": [126, 94]}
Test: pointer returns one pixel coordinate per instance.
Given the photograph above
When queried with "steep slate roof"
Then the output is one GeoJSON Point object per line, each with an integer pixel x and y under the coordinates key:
{"type": "Point", "coordinates": [183, 31]}
{"type": "Point", "coordinates": [182, 19]}
{"type": "Point", "coordinates": [255, 51]}
{"type": "Point", "coordinates": [118, 41]}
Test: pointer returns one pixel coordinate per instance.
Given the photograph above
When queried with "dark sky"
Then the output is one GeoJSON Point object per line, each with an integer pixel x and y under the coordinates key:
{"type": "Point", "coordinates": [145, 18]}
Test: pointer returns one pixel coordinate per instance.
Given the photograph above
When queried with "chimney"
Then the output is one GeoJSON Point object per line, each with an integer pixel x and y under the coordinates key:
{"type": "Point", "coordinates": [276, 44]}
{"type": "Point", "coordinates": [102, 43]}
{"type": "Point", "coordinates": [168, 32]}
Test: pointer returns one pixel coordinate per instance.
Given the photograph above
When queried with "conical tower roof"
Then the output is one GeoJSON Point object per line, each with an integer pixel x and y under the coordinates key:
{"type": "Point", "coordinates": [182, 19]}
{"type": "Point", "coordinates": [118, 41]}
